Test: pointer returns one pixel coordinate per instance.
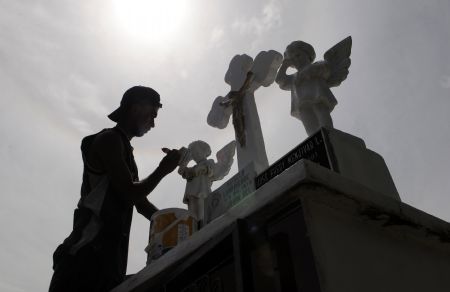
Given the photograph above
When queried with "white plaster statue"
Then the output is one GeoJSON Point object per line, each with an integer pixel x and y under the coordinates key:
{"type": "Point", "coordinates": [244, 76]}
{"type": "Point", "coordinates": [200, 176]}
{"type": "Point", "coordinates": [311, 98]}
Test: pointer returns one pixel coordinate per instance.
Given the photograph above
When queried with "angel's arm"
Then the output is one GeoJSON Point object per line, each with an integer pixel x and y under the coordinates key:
{"type": "Point", "coordinates": [187, 172]}
{"type": "Point", "coordinates": [284, 80]}
{"type": "Point", "coordinates": [184, 161]}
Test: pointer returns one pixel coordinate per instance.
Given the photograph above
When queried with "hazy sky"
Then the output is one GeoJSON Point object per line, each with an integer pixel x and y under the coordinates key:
{"type": "Point", "coordinates": [64, 66]}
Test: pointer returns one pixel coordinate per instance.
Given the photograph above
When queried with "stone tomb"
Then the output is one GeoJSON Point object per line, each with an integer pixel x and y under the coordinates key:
{"type": "Point", "coordinates": [330, 148]}
{"type": "Point", "coordinates": [308, 229]}
{"type": "Point", "coordinates": [316, 148]}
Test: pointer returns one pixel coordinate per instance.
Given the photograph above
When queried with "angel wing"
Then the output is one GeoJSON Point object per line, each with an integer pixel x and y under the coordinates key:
{"type": "Point", "coordinates": [219, 115]}
{"type": "Point", "coordinates": [338, 60]}
{"type": "Point", "coordinates": [224, 161]}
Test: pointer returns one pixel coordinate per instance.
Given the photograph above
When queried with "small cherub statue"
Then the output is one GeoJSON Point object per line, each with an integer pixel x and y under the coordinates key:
{"type": "Point", "coordinates": [200, 176]}
{"type": "Point", "coordinates": [311, 98]}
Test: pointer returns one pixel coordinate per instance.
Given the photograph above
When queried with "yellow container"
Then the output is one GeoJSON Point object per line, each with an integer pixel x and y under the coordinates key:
{"type": "Point", "coordinates": [168, 228]}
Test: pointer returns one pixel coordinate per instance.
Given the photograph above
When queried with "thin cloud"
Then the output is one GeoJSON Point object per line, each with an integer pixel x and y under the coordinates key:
{"type": "Point", "coordinates": [445, 81]}
{"type": "Point", "coordinates": [10, 288]}
{"type": "Point", "coordinates": [77, 100]}
{"type": "Point", "coordinates": [269, 17]}
{"type": "Point", "coordinates": [217, 36]}
{"type": "Point", "coordinates": [61, 73]}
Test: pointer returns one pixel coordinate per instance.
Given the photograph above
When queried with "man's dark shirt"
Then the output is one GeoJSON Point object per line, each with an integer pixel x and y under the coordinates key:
{"type": "Point", "coordinates": [94, 256]}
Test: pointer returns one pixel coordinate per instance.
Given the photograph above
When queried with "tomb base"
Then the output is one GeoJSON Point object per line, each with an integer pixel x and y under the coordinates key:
{"type": "Point", "coordinates": [353, 160]}
{"type": "Point", "coordinates": [308, 229]}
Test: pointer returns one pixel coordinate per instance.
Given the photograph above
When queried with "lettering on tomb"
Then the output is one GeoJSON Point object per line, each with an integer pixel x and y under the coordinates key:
{"type": "Point", "coordinates": [230, 193]}
{"type": "Point", "coordinates": [316, 148]}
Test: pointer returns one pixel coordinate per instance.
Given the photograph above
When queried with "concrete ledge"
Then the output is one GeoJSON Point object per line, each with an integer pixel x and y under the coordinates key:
{"type": "Point", "coordinates": [296, 183]}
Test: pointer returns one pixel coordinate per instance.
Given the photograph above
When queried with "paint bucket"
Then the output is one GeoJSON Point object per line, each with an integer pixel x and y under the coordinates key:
{"type": "Point", "coordinates": [168, 228]}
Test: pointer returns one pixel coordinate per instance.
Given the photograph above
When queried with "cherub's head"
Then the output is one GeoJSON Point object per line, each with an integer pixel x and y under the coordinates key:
{"type": "Point", "coordinates": [300, 54]}
{"type": "Point", "coordinates": [199, 150]}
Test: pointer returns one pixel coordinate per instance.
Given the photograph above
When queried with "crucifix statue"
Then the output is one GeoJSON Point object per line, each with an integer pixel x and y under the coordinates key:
{"type": "Point", "coordinates": [245, 76]}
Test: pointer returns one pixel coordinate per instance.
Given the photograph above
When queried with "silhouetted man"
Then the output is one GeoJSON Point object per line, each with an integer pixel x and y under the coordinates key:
{"type": "Point", "coordinates": [94, 256]}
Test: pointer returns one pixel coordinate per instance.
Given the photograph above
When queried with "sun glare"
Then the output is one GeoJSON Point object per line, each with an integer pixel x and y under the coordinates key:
{"type": "Point", "coordinates": [151, 20]}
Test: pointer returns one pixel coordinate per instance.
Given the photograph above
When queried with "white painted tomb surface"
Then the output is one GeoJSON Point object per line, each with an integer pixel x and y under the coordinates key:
{"type": "Point", "coordinates": [361, 241]}
{"type": "Point", "coordinates": [311, 98]}
{"type": "Point", "coordinates": [245, 76]}
{"type": "Point", "coordinates": [355, 161]}
{"type": "Point", "coordinates": [201, 176]}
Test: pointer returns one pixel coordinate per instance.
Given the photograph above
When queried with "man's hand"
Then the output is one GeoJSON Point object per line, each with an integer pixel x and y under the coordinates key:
{"type": "Point", "coordinates": [170, 161]}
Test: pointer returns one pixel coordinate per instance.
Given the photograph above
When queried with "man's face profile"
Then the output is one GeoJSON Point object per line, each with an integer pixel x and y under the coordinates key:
{"type": "Point", "coordinates": [144, 116]}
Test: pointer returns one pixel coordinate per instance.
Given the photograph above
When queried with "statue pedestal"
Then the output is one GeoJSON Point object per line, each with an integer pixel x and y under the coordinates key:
{"type": "Point", "coordinates": [342, 153]}
{"type": "Point", "coordinates": [353, 160]}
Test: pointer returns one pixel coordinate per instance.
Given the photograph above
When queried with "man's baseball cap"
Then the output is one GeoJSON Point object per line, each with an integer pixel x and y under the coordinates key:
{"type": "Point", "coordinates": [135, 95]}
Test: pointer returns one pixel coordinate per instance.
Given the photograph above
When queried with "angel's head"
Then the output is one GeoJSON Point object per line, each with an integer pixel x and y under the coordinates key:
{"type": "Point", "coordinates": [199, 150]}
{"type": "Point", "coordinates": [300, 54]}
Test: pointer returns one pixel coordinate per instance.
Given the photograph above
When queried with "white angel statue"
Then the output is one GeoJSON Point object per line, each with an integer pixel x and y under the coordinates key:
{"type": "Point", "coordinates": [311, 98]}
{"type": "Point", "coordinates": [200, 176]}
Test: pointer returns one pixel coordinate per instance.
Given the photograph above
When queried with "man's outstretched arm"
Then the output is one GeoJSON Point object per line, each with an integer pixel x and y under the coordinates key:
{"type": "Point", "coordinates": [109, 148]}
{"type": "Point", "coordinates": [145, 208]}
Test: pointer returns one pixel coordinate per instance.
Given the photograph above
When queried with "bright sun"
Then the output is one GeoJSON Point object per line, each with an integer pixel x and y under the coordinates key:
{"type": "Point", "coordinates": [151, 20]}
